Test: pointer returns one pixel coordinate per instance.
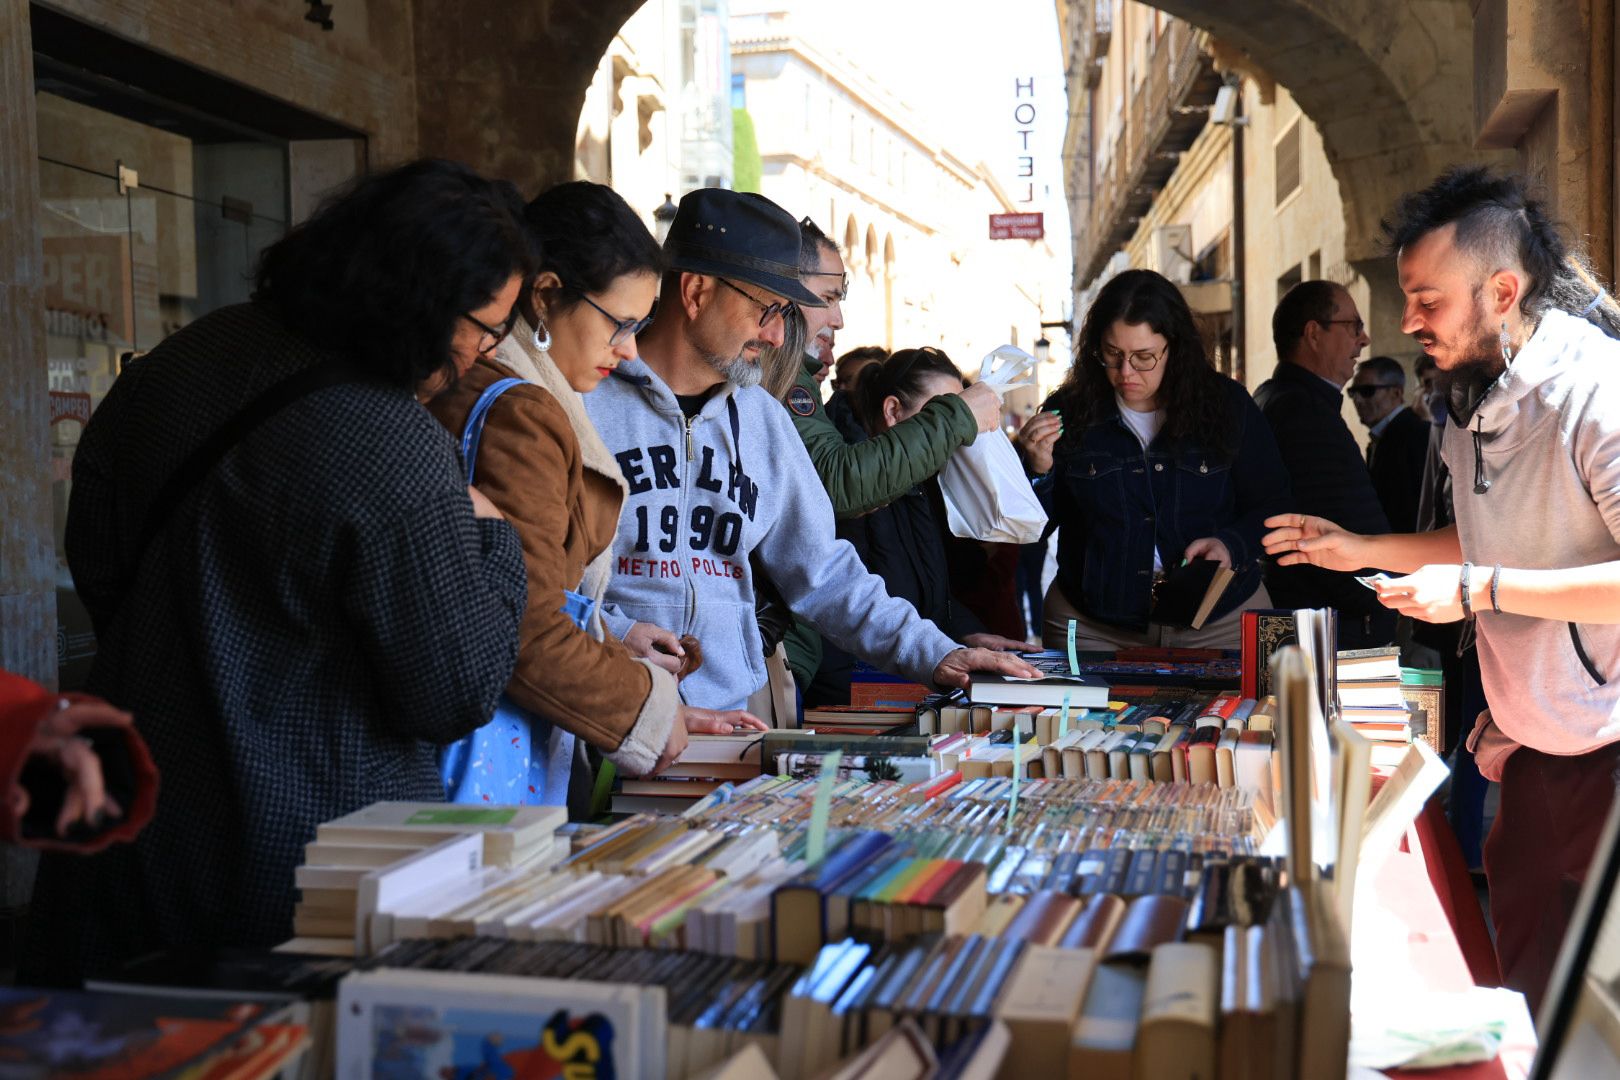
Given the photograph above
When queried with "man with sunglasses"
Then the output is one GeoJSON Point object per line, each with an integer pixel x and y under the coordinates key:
{"type": "Point", "coordinates": [718, 477]}
{"type": "Point", "coordinates": [1397, 438]}
{"type": "Point", "coordinates": [1318, 334]}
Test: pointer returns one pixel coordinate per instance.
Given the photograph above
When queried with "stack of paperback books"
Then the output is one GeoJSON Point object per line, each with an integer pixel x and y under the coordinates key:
{"type": "Point", "coordinates": [837, 925]}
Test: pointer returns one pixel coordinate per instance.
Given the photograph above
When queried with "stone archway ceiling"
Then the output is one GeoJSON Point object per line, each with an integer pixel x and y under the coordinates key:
{"type": "Point", "coordinates": [500, 84]}
{"type": "Point", "coordinates": [1388, 83]}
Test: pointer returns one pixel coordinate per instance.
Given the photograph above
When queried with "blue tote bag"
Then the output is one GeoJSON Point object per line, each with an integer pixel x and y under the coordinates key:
{"type": "Point", "coordinates": [518, 757]}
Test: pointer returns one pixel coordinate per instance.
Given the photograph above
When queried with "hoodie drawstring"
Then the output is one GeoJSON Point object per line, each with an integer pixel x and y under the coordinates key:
{"type": "Point", "coordinates": [1482, 483]}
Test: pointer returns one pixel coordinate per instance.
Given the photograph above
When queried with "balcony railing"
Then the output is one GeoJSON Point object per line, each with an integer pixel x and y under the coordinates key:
{"type": "Point", "coordinates": [1095, 36]}
{"type": "Point", "coordinates": [1162, 115]}
{"type": "Point", "coordinates": [1102, 27]}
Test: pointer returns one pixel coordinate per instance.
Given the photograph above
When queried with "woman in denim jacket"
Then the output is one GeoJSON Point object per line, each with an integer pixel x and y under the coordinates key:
{"type": "Point", "coordinates": [1162, 460]}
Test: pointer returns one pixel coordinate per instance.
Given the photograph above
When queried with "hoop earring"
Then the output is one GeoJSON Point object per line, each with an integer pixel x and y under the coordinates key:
{"type": "Point", "coordinates": [543, 344]}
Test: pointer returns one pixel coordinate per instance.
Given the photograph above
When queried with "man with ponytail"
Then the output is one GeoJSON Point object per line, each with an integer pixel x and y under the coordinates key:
{"type": "Point", "coordinates": [1526, 339]}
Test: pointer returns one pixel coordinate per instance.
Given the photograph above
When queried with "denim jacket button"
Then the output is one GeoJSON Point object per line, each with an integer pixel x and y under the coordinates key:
{"type": "Point", "coordinates": [1202, 467]}
{"type": "Point", "coordinates": [1159, 467]}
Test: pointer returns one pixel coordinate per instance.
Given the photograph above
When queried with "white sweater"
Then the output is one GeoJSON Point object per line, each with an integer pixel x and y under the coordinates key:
{"type": "Point", "coordinates": [1549, 433]}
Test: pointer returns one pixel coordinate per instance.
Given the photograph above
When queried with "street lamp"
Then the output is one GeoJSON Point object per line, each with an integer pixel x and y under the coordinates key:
{"type": "Point", "coordinates": [1043, 349]}
{"type": "Point", "coordinates": [663, 218]}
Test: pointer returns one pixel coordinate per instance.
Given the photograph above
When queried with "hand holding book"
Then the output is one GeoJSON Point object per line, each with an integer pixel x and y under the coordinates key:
{"type": "Point", "coordinates": [1187, 595]}
{"type": "Point", "coordinates": [953, 671]}
{"type": "Point", "coordinates": [1207, 548]}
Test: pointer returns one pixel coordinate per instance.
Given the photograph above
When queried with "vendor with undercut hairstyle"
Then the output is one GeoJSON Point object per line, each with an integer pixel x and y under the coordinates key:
{"type": "Point", "coordinates": [1527, 339]}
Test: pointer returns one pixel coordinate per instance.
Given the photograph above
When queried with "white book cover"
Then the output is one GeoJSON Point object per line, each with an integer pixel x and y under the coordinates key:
{"type": "Point", "coordinates": [400, 1022]}
{"type": "Point", "coordinates": [447, 866]}
{"type": "Point", "coordinates": [508, 831]}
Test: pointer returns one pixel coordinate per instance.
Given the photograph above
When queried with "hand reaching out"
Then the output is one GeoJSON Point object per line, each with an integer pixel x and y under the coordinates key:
{"type": "Point", "coordinates": [1301, 539]}
{"type": "Point", "coordinates": [58, 740]}
{"type": "Point", "coordinates": [695, 721]}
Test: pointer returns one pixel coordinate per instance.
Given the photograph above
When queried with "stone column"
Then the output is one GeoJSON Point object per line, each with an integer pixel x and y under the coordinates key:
{"type": "Point", "coordinates": [27, 548]}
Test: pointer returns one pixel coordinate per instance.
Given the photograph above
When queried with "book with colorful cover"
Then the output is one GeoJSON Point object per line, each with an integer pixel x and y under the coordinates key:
{"type": "Point", "coordinates": [401, 1022]}
{"type": "Point", "coordinates": [70, 1033]}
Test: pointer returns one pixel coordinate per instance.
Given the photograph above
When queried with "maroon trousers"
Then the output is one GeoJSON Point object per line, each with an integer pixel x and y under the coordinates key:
{"type": "Point", "coordinates": [1553, 809]}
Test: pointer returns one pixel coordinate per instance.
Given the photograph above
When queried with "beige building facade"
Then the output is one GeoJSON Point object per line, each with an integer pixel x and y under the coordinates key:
{"type": "Point", "coordinates": [1334, 111]}
{"type": "Point", "coordinates": [910, 214]}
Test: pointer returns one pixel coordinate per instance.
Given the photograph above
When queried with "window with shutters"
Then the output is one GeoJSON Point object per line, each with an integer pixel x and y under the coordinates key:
{"type": "Point", "coordinates": [1286, 152]}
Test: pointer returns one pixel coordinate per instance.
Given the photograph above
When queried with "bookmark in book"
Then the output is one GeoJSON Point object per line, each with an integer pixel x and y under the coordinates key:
{"type": "Point", "coordinates": [1018, 773]}
{"type": "Point", "coordinates": [816, 842]}
{"type": "Point", "coordinates": [1074, 661]}
{"type": "Point", "coordinates": [1063, 717]}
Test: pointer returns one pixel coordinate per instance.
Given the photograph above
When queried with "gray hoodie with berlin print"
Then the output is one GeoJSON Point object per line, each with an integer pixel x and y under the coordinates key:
{"type": "Point", "coordinates": [705, 495]}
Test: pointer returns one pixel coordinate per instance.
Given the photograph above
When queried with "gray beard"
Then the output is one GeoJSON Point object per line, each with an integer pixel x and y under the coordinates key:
{"type": "Point", "coordinates": [737, 371]}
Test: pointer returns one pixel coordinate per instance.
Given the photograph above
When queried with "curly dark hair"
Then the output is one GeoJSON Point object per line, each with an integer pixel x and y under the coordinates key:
{"type": "Point", "coordinates": [383, 270]}
{"type": "Point", "coordinates": [1500, 223]}
{"type": "Point", "coordinates": [589, 237]}
{"type": "Point", "coordinates": [904, 375]}
{"type": "Point", "coordinates": [1196, 409]}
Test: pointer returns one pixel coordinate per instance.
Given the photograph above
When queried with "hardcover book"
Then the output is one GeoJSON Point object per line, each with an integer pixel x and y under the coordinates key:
{"type": "Point", "coordinates": [1186, 595]}
{"type": "Point", "coordinates": [1082, 691]}
{"type": "Point", "coordinates": [1264, 631]}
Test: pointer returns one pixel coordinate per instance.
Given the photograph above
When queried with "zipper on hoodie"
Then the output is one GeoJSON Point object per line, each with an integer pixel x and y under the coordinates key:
{"type": "Point", "coordinates": [1586, 661]}
{"type": "Point", "coordinates": [686, 510]}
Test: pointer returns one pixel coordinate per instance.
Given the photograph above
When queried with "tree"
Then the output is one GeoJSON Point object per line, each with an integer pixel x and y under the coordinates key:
{"type": "Point", "coordinates": [746, 165]}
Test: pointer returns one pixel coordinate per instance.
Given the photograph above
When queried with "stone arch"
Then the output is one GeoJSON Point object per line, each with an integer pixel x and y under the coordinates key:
{"type": "Point", "coordinates": [852, 241]}
{"type": "Point", "coordinates": [874, 258]}
{"type": "Point", "coordinates": [484, 98]}
{"type": "Point", "coordinates": [1389, 86]}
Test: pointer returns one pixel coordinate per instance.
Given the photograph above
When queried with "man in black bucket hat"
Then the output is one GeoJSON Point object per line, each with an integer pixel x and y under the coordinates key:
{"type": "Point", "coordinates": [716, 474]}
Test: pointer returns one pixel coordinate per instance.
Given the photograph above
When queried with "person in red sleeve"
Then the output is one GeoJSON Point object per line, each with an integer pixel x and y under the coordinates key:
{"type": "Point", "coordinates": [77, 775]}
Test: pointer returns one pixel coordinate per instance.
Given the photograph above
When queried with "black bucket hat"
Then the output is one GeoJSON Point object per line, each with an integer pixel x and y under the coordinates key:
{"type": "Point", "coordinates": [735, 234]}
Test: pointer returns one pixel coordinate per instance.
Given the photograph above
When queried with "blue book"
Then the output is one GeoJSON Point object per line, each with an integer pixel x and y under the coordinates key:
{"type": "Point", "coordinates": [799, 908]}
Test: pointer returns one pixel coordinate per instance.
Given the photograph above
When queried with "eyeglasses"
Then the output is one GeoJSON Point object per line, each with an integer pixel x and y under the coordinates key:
{"type": "Point", "coordinates": [623, 329]}
{"type": "Point", "coordinates": [1356, 323]}
{"type": "Point", "coordinates": [1369, 391]}
{"type": "Point", "coordinates": [842, 275]}
{"type": "Point", "coordinates": [499, 333]}
{"type": "Point", "coordinates": [767, 311]}
{"type": "Point", "coordinates": [1141, 360]}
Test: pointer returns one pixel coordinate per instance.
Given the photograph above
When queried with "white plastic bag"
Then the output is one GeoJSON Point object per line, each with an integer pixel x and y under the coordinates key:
{"type": "Point", "coordinates": [987, 495]}
{"type": "Point", "coordinates": [1017, 368]}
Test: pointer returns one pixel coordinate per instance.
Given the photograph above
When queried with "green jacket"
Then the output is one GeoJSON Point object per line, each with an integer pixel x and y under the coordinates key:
{"type": "Point", "coordinates": [860, 477]}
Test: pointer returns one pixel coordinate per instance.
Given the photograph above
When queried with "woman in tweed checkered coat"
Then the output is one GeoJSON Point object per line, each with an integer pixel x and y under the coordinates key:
{"type": "Point", "coordinates": [325, 602]}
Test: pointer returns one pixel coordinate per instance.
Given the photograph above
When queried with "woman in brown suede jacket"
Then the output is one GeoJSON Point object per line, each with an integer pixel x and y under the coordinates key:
{"type": "Point", "coordinates": [542, 463]}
